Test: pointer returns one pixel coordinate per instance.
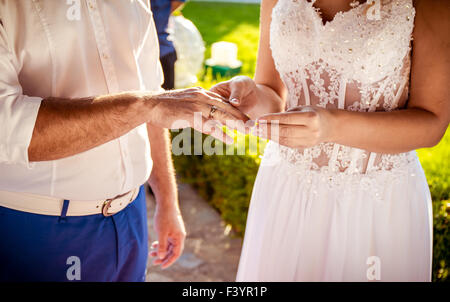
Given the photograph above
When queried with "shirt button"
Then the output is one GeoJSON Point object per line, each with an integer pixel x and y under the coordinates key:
{"type": "Point", "coordinates": [105, 56]}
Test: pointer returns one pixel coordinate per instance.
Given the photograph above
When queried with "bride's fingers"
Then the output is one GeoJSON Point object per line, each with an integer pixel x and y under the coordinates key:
{"type": "Point", "coordinates": [222, 88]}
{"type": "Point", "coordinates": [274, 131]}
{"type": "Point", "coordinates": [292, 142]}
{"type": "Point", "coordinates": [299, 109]}
{"type": "Point", "coordinates": [290, 118]}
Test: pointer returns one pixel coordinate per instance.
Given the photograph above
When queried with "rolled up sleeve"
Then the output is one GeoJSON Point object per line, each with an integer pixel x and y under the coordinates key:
{"type": "Point", "coordinates": [18, 112]}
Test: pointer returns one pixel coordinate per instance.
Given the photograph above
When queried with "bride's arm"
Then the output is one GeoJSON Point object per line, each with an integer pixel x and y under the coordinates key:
{"type": "Point", "coordinates": [421, 124]}
{"type": "Point", "coordinates": [266, 94]}
{"type": "Point", "coordinates": [267, 79]}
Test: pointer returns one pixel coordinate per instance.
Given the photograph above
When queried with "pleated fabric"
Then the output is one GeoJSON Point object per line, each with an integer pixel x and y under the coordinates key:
{"type": "Point", "coordinates": [301, 229]}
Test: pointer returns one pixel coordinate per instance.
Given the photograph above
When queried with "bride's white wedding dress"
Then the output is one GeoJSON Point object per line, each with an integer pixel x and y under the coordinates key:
{"type": "Point", "coordinates": [332, 212]}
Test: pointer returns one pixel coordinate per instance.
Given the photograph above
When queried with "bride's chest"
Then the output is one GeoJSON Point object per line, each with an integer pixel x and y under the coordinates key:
{"type": "Point", "coordinates": [355, 45]}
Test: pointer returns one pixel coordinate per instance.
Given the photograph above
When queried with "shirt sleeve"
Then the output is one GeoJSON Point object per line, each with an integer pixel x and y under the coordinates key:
{"type": "Point", "coordinates": [152, 76]}
{"type": "Point", "coordinates": [18, 112]}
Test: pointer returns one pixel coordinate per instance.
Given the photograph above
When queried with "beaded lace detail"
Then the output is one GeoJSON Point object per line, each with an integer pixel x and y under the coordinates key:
{"type": "Point", "coordinates": [352, 62]}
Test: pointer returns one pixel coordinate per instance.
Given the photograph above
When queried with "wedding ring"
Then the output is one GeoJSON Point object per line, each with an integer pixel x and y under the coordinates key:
{"type": "Point", "coordinates": [211, 113]}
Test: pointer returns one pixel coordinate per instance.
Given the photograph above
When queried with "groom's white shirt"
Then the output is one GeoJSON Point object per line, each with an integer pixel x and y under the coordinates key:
{"type": "Point", "coordinates": [73, 49]}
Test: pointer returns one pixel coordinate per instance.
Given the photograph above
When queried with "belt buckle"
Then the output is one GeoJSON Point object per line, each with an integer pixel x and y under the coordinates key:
{"type": "Point", "coordinates": [106, 206]}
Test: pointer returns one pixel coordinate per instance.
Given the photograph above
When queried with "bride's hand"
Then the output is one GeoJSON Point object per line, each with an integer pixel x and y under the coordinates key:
{"type": "Point", "coordinates": [298, 127]}
{"type": "Point", "coordinates": [241, 92]}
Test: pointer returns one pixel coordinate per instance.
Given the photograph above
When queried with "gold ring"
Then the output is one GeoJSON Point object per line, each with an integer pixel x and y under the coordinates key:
{"type": "Point", "coordinates": [211, 113]}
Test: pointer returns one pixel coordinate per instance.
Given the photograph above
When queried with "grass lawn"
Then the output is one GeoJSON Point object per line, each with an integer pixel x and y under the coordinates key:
{"type": "Point", "coordinates": [239, 23]}
{"type": "Point", "coordinates": [231, 22]}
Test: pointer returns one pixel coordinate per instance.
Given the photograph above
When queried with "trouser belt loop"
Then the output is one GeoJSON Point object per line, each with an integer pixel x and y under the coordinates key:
{"type": "Point", "coordinates": [65, 207]}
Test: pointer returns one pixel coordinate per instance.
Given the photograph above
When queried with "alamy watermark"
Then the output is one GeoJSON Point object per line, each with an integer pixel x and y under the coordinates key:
{"type": "Point", "coordinates": [373, 272]}
{"type": "Point", "coordinates": [73, 12]}
{"type": "Point", "coordinates": [74, 270]}
{"type": "Point", "coordinates": [188, 142]}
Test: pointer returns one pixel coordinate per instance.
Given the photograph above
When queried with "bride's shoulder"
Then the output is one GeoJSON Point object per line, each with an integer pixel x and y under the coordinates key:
{"type": "Point", "coordinates": [433, 11]}
{"type": "Point", "coordinates": [432, 22]}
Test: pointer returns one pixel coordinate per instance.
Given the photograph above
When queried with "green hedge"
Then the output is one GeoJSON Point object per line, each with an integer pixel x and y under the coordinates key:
{"type": "Point", "coordinates": [227, 181]}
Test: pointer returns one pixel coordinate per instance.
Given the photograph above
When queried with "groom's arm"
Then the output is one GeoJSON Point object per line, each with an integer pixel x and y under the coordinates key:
{"type": "Point", "coordinates": [168, 221]}
{"type": "Point", "coordinates": [162, 179]}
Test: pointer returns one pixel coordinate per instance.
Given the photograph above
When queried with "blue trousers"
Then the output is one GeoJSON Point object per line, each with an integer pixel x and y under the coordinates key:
{"type": "Point", "coordinates": [70, 248]}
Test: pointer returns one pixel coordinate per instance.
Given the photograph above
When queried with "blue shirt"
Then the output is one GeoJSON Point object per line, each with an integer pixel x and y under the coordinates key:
{"type": "Point", "coordinates": [161, 13]}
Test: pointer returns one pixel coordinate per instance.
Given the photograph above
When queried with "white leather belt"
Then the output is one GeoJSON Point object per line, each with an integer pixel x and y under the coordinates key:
{"type": "Point", "coordinates": [44, 205]}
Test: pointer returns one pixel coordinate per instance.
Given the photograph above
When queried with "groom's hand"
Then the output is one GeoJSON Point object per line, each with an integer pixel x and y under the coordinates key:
{"type": "Point", "coordinates": [171, 233]}
{"type": "Point", "coordinates": [175, 109]}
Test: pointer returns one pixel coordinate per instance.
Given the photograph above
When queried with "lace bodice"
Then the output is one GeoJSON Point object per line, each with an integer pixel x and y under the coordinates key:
{"type": "Point", "coordinates": [352, 62]}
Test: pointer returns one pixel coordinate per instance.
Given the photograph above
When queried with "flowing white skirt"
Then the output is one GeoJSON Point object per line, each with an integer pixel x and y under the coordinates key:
{"type": "Point", "coordinates": [305, 230]}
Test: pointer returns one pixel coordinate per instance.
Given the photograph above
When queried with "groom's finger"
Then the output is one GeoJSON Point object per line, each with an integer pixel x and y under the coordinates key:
{"type": "Point", "coordinates": [177, 248]}
{"type": "Point", "coordinates": [231, 117]}
{"type": "Point", "coordinates": [162, 247]}
{"type": "Point", "coordinates": [231, 112]}
{"type": "Point", "coordinates": [213, 99]}
{"type": "Point", "coordinates": [224, 117]}
{"type": "Point", "coordinates": [216, 96]}
{"type": "Point", "coordinates": [153, 254]}
{"type": "Point", "coordinates": [224, 111]}
{"type": "Point", "coordinates": [159, 261]}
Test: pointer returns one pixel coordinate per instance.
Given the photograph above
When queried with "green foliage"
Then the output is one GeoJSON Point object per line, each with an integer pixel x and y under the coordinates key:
{"type": "Point", "coordinates": [227, 181]}
{"type": "Point", "coordinates": [441, 240]}
{"type": "Point", "coordinates": [436, 164]}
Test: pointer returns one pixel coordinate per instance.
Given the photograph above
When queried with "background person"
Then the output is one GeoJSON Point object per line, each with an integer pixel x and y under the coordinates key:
{"type": "Point", "coordinates": [162, 9]}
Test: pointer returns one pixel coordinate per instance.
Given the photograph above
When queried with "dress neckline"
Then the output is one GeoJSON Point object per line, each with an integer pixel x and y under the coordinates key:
{"type": "Point", "coordinates": [318, 12]}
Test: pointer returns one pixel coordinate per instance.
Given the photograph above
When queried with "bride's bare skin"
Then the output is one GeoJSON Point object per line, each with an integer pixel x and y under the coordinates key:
{"type": "Point", "coordinates": [422, 123]}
